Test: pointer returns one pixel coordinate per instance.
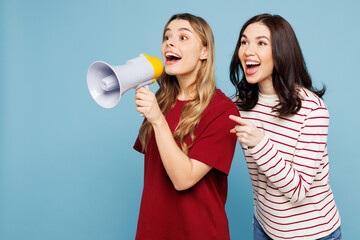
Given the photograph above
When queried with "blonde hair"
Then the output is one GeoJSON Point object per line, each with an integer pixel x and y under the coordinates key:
{"type": "Point", "coordinates": [169, 88]}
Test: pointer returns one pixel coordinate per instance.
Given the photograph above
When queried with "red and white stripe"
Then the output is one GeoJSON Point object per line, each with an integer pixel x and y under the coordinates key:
{"type": "Point", "coordinates": [289, 170]}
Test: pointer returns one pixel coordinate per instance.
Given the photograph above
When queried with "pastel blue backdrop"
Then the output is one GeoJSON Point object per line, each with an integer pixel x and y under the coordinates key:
{"type": "Point", "coordinates": [67, 167]}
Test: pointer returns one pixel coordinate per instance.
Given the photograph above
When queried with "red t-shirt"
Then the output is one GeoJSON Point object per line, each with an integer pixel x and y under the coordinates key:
{"type": "Point", "coordinates": [199, 212]}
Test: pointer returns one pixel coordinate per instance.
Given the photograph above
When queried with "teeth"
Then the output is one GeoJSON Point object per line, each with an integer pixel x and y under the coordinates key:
{"type": "Point", "coordinates": [252, 63]}
{"type": "Point", "coordinates": [172, 55]}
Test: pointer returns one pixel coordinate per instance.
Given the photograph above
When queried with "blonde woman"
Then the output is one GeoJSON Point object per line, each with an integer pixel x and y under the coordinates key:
{"type": "Point", "coordinates": [186, 139]}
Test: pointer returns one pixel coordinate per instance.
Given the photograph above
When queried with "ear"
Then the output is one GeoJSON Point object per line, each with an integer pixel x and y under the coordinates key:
{"type": "Point", "coordinates": [204, 53]}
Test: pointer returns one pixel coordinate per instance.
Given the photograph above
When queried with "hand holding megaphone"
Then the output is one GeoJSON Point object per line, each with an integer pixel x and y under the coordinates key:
{"type": "Point", "coordinates": [108, 83]}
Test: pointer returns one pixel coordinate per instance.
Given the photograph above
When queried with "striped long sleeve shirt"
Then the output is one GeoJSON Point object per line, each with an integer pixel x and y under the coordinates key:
{"type": "Point", "coordinates": [289, 170]}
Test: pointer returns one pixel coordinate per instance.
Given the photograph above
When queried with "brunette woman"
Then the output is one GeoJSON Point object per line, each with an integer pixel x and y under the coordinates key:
{"type": "Point", "coordinates": [283, 132]}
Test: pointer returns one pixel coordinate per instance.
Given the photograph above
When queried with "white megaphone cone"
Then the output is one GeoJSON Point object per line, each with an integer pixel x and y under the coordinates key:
{"type": "Point", "coordinates": [108, 83]}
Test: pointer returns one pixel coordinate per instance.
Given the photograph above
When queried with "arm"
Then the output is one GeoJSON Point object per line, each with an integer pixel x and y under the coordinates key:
{"type": "Point", "coordinates": [183, 171]}
{"type": "Point", "coordinates": [293, 178]}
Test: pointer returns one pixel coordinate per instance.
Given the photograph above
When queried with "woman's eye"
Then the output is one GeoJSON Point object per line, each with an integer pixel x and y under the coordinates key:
{"type": "Point", "coordinates": [166, 38]}
{"type": "Point", "coordinates": [262, 43]}
{"type": "Point", "coordinates": [243, 42]}
{"type": "Point", "coordinates": [183, 38]}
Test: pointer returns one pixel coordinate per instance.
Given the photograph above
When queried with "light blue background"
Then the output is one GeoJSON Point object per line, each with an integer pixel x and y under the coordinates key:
{"type": "Point", "coordinates": [67, 168]}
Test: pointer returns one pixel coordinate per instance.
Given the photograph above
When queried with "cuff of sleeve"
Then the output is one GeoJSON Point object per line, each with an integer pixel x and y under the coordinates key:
{"type": "Point", "coordinates": [257, 151]}
{"type": "Point", "coordinates": [138, 149]}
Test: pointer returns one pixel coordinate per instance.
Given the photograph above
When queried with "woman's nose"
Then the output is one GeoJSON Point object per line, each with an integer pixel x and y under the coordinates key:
{"type": "Point", "coordinates": [170, 42]}
{"type": "Point", "coordinates": [249, 50]}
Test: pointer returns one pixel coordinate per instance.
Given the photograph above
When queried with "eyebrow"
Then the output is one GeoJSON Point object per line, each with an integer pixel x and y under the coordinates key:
{"type": "Point", "coordinates": [258, 37]}
{"type": "Point", "coordinates": [180, 29]}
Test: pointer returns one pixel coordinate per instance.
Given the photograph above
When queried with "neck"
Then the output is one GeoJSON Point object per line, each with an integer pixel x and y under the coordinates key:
{"type": "Point", "coordinates": [267, 87]}
{"type": "Point", "coordinates": [187, 89]}
{"type": "Point", "coordinates": [187, 85]}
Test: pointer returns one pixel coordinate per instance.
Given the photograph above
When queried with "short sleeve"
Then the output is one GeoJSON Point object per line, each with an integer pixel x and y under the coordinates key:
{"type": "Point", "coordinates": [215, 145]}
{"type": "Point", "coordinates": [137, 146]}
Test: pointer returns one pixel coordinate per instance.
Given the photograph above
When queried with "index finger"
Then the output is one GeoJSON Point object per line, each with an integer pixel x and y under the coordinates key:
{"type": "Point", "coordinates": [239, 120]}
{"type": "Point", "coordinates": [141, 89]}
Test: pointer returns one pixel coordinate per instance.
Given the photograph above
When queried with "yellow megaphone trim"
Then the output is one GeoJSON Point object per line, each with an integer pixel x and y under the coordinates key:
{"type": "Point", "coordinates": [157, 65]}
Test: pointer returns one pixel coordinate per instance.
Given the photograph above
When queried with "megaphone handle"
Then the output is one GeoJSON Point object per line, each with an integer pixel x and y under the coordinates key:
{"type": "Point", "coordinates": [147, 86]}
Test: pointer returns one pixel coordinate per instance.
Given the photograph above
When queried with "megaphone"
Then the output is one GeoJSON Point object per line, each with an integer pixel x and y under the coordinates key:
{"type": "Point", "coordinates": [108, 83]}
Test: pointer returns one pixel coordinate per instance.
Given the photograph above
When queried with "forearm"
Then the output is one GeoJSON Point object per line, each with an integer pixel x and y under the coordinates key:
{"type": "Point", "coordinates": [178, 166]}
{"type": "Point", "coordinates": [293, 181]}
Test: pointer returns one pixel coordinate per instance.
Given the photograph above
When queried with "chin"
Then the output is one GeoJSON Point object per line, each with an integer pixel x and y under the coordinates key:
{"type": "Point", "coordinates": [170, 72]}
{"type": "Point", "coordinates": [251, 80]}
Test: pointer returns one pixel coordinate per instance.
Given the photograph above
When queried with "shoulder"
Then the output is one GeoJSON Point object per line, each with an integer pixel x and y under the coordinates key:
{"type": "Point", "coordinates": [311, 102]}
{"type": "Point", "coordinates": [310, 99]}
{"type": "Point", "coordinates": [221, 104]}
{"type": "Point", "coordinates": [218, 111]}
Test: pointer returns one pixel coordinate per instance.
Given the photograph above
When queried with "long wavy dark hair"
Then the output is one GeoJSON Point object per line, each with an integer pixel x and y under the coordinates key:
{"type": "Point", "coordinates": [289, 71]}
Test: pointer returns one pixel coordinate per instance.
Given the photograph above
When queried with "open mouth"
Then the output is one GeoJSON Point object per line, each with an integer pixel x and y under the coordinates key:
{"type": "Point", "coordinates": [252, 67]}
{"type": "Point", "coordinates": [172, 58]}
